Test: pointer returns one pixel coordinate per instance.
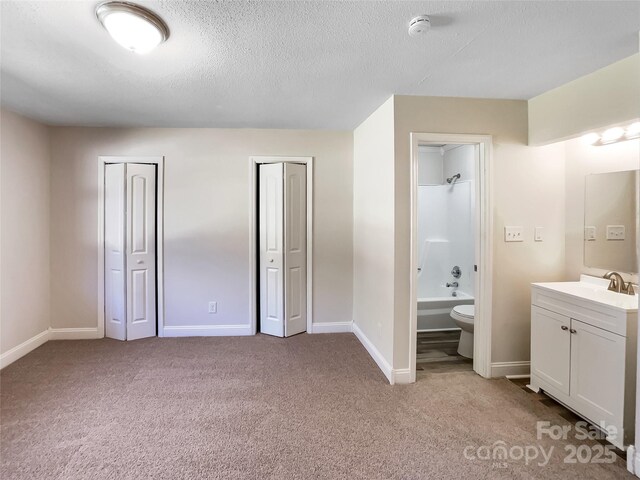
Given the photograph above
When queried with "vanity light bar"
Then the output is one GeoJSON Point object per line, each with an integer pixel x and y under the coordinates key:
{"type": "Point", "coordinates": [613, 135]}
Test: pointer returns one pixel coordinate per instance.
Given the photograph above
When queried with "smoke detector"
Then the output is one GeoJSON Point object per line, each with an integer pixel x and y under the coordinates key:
{"type": "Point", "coordinates": [419, 25]}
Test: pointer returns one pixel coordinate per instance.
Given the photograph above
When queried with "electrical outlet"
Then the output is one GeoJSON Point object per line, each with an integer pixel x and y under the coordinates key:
{"type": "Point", "coordinates": [513, 234]}
{"type": "Point", "coordinates": [213, 307]}
{"type": "Point", "coordinates": [615, 232]}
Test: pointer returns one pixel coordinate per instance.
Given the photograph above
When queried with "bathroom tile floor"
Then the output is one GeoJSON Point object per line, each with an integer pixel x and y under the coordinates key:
{"type": "Point", "coordinates": [437, 353]}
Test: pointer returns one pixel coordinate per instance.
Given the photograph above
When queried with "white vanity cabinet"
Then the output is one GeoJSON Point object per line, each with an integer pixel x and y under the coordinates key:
{"type": "Point", "coordinates": [583, 352]}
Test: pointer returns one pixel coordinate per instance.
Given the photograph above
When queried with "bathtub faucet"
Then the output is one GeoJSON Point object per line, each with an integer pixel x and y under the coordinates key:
{"type": "Point", "coordinates": [453, 284]}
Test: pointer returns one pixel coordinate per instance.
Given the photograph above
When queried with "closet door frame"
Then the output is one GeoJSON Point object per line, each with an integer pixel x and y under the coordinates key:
{"type": "Point", "coordinates": [254, 162]}
{"type": "Point", "coordinates": [159, 162]}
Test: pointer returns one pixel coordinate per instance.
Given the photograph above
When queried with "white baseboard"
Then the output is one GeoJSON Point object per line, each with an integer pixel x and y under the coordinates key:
{"type": "Point", "coordinates": [455, 329]}
{"type": "Point", "coordinates": [401, 376]}
{"type": "Point", "coordinates": [510, 369]}
{"type": "Point", "coordinates": [375, 354]}
{"type": "Point", "coordinates": [206, 330]}
{"type": "Point", "coordinates": [25, 347]}
{"type": "Point", "coordinates": [331, 327]}
{"type": "Point", "coordinates": [73, 333]}
{"type": "Point", "coordinates": [633, 460]}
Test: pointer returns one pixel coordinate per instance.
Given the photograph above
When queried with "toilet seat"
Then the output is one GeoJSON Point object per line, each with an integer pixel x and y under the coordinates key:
{"type": "Point", "coordinates": [463, 312]}
{"type": "Point", "coordinates": [463, 317]}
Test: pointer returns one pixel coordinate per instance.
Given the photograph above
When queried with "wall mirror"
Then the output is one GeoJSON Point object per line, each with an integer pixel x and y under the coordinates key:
{"type": "Point", "coordinates": [611, 221]}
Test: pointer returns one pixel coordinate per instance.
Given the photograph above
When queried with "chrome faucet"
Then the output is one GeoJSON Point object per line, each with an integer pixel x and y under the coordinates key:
{"type": "Point", "coordinates": [617, 284]}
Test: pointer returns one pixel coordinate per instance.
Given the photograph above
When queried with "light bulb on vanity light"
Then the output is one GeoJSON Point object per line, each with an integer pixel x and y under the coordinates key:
{"type": "Point", "coordinates": [633, 131]}
{"type": "Point", "coordinates": [612, 135]}
{"type": "Point", "coordinates": [590, 138]}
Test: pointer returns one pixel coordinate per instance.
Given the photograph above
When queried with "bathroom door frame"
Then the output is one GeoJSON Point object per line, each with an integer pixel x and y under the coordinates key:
{"type": "Point", "coordinates": [483, 233]}
{"type": "Point", "coordinates": [159, 163]}
{"type": "Point", "coordinates": [254, 162]}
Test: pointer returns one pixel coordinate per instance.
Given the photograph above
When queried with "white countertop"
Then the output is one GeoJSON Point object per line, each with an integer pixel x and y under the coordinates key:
{"type": "Point", "coordinates": [594, 290]}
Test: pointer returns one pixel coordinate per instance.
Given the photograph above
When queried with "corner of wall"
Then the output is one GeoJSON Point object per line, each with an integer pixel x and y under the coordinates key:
{"type": "Point", "coordinates": [26, 221]}
{"type": "Point", "coordinates": [373, 232]}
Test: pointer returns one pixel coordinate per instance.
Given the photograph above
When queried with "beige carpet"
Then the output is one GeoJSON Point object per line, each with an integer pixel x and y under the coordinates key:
{"type": "Point", "coordinates": [311, 406]}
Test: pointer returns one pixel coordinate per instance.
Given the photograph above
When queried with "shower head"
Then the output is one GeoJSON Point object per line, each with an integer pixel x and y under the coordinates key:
{"type": "Point", "coordinates": [452, 179]}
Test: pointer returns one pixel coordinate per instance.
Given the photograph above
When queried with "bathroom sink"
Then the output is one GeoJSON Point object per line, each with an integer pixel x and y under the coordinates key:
{"type": "Point", "coordinates": [593, 289]}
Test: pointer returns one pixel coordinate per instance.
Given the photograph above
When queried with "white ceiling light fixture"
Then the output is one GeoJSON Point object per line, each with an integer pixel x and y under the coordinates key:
{"type": "Point", "coordinates": [419, 25]}
{"type": "Point", "coordinates": [132, 26]}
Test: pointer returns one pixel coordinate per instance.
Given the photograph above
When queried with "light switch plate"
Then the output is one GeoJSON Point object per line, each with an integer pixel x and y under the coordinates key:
{"type": "Point", "coordinates": [513, 234]}
{"type": "Point", "coordinates": [539, 234]}
{"type": "Point", "coordinates": [213, 307]}
{"type": "Point", "coordinates": [590, 234]}
{"type": "Point", "coordinates": [615, 232]}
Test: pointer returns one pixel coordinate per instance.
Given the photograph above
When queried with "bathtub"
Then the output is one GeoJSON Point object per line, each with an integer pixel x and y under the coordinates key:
{"type": "Point", "coordinates": [433, 311]}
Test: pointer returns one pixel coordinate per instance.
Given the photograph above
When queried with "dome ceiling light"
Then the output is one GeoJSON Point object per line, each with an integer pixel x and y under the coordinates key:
{"type": "Point", "coordinates": [132, 26]}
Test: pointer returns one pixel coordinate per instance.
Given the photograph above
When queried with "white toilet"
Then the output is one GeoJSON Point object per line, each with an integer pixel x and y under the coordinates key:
{"type": "Point", "coordinates": [463, 316]}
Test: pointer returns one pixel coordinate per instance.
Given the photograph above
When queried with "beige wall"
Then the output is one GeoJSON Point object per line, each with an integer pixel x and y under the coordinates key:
{"type": "Point", "coordinates": [582, 160]}
{"type": "Point", "coordinates": [373, 233]}
{"type": "Point", "coordinates": [528, 190]}
{"type": "Point", "coordinates": [206, 230]}
{"type": "Point", "coordinates": [24, 236]}
{"type": "Point", "coordinates": [605, 97]}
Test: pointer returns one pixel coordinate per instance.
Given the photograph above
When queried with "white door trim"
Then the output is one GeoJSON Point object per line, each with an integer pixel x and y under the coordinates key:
{"type": "Point", "coordinates": [483, 246]}
{"type": "Point", "coordinates": [254, 161]}
{"type": "Point", "coordinates": [159, 161]}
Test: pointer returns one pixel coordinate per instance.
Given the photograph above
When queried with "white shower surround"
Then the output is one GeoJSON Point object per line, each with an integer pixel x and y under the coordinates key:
{"type": "Point", "coordinates": [445, 236]}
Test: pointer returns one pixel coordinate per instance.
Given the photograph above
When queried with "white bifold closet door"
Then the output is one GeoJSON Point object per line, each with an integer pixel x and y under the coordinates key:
{"type": "Point", "coordinates": [130, 251]}
{"type": "Point", "coordinates": [283, 255]}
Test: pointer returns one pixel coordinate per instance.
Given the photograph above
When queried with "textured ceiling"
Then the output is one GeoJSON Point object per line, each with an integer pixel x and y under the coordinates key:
{"type": "Point", "coordinates": [294, 64]}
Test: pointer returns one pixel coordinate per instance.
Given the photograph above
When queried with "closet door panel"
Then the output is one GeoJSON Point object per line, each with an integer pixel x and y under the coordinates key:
{"type": "Point", "coordinates": [272, 308]}
{"type": "Point", "coordinates": [141, 251]}
{"type": "Point", "coordinates": [295, 230]}
{"type": "Point", "coordinates": [114, 251]}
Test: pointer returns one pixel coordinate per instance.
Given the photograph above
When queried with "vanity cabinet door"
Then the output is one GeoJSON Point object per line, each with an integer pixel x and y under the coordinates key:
{"type": "Point", "coordinates": [597, 372]}
{"type": "Point", "coordinates": [550, 348]}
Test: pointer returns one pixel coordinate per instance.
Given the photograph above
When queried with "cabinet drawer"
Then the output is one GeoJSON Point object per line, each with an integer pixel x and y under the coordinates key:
{"type": "Point", "coordinates": [592, 314]}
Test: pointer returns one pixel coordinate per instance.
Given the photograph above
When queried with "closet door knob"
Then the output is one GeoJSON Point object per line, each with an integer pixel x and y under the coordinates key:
{"type": "Point", "coordinates": [564, 327]}
{"type": "Point", "coordinates": [573, 330]}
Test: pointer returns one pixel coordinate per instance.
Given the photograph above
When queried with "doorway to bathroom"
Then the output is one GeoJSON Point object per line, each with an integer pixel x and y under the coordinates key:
{"type": "Point", "coordinates": [446, 257]}
{"type": "Point", "coordinates": [451, 254]}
